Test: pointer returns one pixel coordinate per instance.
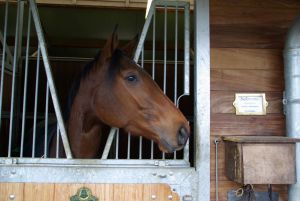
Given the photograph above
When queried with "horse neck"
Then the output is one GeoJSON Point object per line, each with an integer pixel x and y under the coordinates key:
{"type": "Point", "coordinates": [84, 128]}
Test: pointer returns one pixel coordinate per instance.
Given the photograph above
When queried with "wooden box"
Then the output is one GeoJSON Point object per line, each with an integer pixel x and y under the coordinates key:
{"type": "Point", "coordinates": [260, 159]}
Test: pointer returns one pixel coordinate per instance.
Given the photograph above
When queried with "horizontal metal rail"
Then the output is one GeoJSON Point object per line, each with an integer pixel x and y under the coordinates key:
{"type": "Point", "coordinates": [92, 162]}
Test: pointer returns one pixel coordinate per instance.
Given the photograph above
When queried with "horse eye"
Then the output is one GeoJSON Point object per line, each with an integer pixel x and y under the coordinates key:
{"type": "Point", "coordinates": [131, 78]}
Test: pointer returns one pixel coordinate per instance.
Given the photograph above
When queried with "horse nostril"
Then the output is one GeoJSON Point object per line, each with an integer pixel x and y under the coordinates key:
{"type": "Point", "coordinates": [182, 136]}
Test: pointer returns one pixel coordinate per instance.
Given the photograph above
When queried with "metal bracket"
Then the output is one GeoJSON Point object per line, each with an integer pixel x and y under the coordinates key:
{"type": "Point", "coordinates": [284, 102]}
{"type": "Point", "coordinates": [161, 163]}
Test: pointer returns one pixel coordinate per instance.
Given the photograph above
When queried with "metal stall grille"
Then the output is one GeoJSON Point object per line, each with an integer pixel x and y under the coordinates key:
{"type": "Point", "coordinates": [167, 68]}
{"type": "Point", "coordinates": [25, 112]}
{"type": "Point", "coordinates": [31, 111]}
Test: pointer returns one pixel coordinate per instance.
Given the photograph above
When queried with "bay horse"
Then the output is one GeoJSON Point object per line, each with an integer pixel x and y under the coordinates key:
{"type": "Point", "coordinates": [113, 90]}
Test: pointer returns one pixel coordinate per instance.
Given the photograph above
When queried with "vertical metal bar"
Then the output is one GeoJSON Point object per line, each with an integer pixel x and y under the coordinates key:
{"type": "Point", "coordinates": [186, 152]}
{"type": "Point", "coordinates": [20, 33]}
{"type": "Point", "coordinates": [140, 147]}
{"type": "Point", "coordinates": [9, 56]}
{"type": "Point", "coordinates": [202, 98]}
{"type": "Point", "coordinates": [128, 146]}
{"type": "Point", "coordinates": [3, 60]}
{"type": "Point", "coordinates": [50, 79]}
{"type": "Point", "coordinates": [36, 100]}
{"type": "Point", "coordinates": [25, 84]}
{"type": "Point", "coordinates": [109, 141]}
{"type": "Point", "coordinates": [19, 71]}
{"type": "Point", "coordinates": [153, 65]}
{"type": "Point", "coordinates": [141, 138]}
{"type": "Point", "coordinates": [117, 144]}
{"type": "Point", "coordinates": [175, 56]}
{"type": "Point", "coordinates": [216, 167]}
{"type": "Point", "coordinates": [186, 82]}
{"type": "Point", "coordinates": [46, 121]}
{"type": "Point", "coordinates": [152, 150]}
{"type": "Point", "coordinates": [165, 52]}
{"type": "Point", "coordinates": [15, 64]}
{"type": "Point", "coordinates": [142, 58]}
{"type": "Point", "coordinates": [57, 141]}
{"type": "Point", "coordinates": [153, 43]}
{"type": "Point", "coordinates": [175, 62]}
{"type": "Point", "coordinates": [187, 49]}
{"type": "Point", "coordinates": [175, 155]}
{"type": "Point", "coordinates": [144, 32]}
{"type": "Point", "coordinates": [165, 58]}
{"type": "Point", "coordinates": [291, 100]}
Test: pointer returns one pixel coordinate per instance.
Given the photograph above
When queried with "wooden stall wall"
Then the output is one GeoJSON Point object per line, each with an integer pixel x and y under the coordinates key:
{"type": "Point", "coordinates": [247, 41]}
{"type": "Point", "coordinates": [104, 192]}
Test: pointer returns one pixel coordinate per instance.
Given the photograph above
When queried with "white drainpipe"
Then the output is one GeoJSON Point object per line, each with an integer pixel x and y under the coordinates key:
{"type": "Point", "coordinates": [292, 96]}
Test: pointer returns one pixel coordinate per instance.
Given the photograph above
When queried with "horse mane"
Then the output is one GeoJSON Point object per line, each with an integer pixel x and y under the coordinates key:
{"type": "Point", "coordinates": [113, 68]}
{"type": "Point", "coordinates": [75, 86]}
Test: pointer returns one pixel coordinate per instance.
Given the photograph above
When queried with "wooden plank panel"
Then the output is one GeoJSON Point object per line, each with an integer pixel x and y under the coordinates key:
{"type": "Point", "coordinates": [243, 36]}
{"type": "Point", "coordinates": [258, 16]}
{"type": "Point", "coordinates": [230, 124]}
{"type": "Point", "coordinates": [242, 58]}
{"type": "Point", "coordinates": [38, 192]}
{"type": "Point", "coordinates": [225, 186]}
{"type": "Point", "coordinates": [13, 189]}
{"type": "Point", "coordinates": [104, 192]}
{"type": "Point", "coordinates": [246, 80]}
{"type": "Point", "coordinates": [160, 192]}
{"type": "Point", "coordinates": [131, 192]}
{"type": "Point", "coordinates": [282, 4]}
{"type": "Point", "coordinates": [221, 102]}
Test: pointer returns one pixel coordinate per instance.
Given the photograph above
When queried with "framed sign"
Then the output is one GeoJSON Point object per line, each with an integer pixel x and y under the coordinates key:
{"type": "Point", "coordinates": [250, 104]}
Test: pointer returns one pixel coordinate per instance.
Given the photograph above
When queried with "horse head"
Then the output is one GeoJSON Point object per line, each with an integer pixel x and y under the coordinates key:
{"type": "Point", "coordinates": [125, 96]}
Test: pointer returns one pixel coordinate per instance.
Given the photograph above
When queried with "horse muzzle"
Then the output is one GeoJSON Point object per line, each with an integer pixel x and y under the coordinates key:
{"type": "Point", "coordinates": [182, 136]}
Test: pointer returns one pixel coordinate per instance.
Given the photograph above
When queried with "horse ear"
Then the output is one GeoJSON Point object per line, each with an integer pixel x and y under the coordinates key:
{"type": "Point", "coordinates": [110, 46]}
{"type": "Point", "coordinates": [130, 47]}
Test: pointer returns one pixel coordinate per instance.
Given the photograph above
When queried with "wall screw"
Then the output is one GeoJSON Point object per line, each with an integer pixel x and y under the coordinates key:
{"type": "Point", "coordinates": [11, 197]}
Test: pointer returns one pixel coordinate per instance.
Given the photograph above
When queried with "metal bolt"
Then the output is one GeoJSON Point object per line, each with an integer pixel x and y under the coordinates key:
{"type": "Point", "coordinates": [154, 173]}
{"type": "Point", "coordinates": [156, 163]}
{"type": "Point", "coordinates": [13, 172]}
{"type": "Point", "coordinates": [171, 173]}
{"type": "Point", "coordinates": [162, 176]}
{"type": "Point", "coordinates": [170, 197]}
{"type": "Point", "coordinates": [153, 197]}
{"type": "Point", "coordinates": [187, 198]}
{"type": "Point", "coordinates": [11, 197]}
